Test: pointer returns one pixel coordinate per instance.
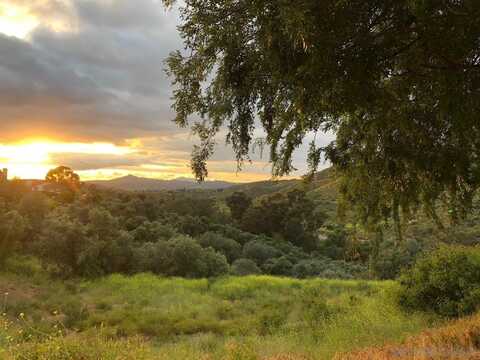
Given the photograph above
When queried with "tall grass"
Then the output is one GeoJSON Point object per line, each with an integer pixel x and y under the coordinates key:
{"type": "Point", "coordinates": [256, 317]}
{"type": "Point", "coordinates": [458, 340]}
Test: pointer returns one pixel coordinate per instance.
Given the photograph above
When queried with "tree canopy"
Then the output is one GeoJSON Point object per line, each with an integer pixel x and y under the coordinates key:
{"type": "Point", "coordinates": [64, 176]}
{"type": "Point", "coordinates": [397, 81]}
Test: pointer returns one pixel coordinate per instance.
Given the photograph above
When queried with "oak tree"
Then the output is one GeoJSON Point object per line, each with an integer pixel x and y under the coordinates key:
{"type": "Point", "coordinates": [397, 81]}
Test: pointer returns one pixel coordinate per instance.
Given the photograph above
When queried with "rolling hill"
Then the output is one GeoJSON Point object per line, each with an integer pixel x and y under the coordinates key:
{"type": "Point", "coordinates": [324, 184]}
{"type": "Point", "coordinates": [134, 183]}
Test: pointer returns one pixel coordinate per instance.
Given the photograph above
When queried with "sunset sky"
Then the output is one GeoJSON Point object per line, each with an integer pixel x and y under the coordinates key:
{"type": "Point", "coordinates": [82, 84]}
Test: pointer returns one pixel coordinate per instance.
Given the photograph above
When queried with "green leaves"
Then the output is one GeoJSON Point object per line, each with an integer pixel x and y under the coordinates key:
{"type": "Point", "coordinates": [446, 282]}
{"type": "Point", "coordinates": [398, 81]}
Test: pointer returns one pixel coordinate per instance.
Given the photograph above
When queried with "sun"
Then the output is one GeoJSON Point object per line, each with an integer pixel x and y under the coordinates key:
{"type": "Point", "coordinates": [16, 21]}
{"type": "Point", "coordinates": [32, 159]}
{"type": "Point", "coordinates": [26, 154]}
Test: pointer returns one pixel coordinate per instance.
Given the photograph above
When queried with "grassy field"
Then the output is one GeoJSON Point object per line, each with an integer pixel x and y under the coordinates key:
{"type": "Point", "coordinates": [148, 317]}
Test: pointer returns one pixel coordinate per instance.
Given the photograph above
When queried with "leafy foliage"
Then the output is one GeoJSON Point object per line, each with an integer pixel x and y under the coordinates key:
{"type": "Point", "coordinates": [289, 232]}
{"type": "Point", "coordinates": [12, 231]}
{"type": "Point", "coordinates": [238, 203]}
{"type": "Point", "coordinates": [396, 81]}
{"type": "Point", "coordinates": [243, 267]}
{"type": "Point", "coordinates": [447, 282]}
{"type": "Point", "coordinates": [291, 215]}
{"type": "Point", "coordinates": [65, 177]}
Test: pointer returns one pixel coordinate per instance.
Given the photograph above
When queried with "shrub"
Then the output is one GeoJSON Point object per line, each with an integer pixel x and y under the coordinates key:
{"type": "Point", "coordinates": [447, 282]}
{"type": "Point", "coordinates": [12, 231]}
{"type": "Point", "coordinates": [186, 256]}
{"type": "Point", "coordinates": [75, 312]}
{"type": "Point", "coordinates": [328, 269]}
{"type": "Point", "coordinates": [62, 242]}
{"type": "Point", "coordinates": [259, 251]}
{"type": "Point", "coordinates": [23, 265]}
{"type": "Point", "coordinates": [153, 232]}
{"type": "Point", "coordinates": [279, 266]}
{"type": "Point", "coordinates": [234, 233]}
{"type": "Point", "coordinates": [189, 259]}
{"type": "Point", "coordinates": [213, 263]}
{"type": "Point", "coordinates": [229, 247]}
{"type": "Point", "coordinates": [393, 258]}
{"type": "Point", "coordinates": [243, 267]}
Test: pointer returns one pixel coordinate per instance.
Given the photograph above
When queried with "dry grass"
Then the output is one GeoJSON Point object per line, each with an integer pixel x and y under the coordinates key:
{"type": "Point", "coordinates": [459, 340]}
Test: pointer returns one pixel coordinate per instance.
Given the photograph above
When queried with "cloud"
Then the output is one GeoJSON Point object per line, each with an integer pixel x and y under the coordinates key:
{"type": "Point", "coordinates": [124, 14]}
{"type": "Point", "coordinates": [92, 70]}
{"type": "Point", "coordinates": [101, 76]}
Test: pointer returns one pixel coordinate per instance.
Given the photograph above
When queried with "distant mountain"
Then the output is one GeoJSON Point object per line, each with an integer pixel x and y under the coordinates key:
{"type": "Point", "coordinates": [134, 183]}
{"type": "Point", "coordinates": [324, 183]}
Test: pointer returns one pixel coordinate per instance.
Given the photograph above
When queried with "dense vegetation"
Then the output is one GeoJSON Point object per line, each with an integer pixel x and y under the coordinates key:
{"type": "Point", "coordinates": [74, 260]}
{"type": "Point", "coordinates": [446, 281]}
{"type": "Point", "coordinates": [290, 231]}
{"type": "Point", "coordinates": [93, 232]}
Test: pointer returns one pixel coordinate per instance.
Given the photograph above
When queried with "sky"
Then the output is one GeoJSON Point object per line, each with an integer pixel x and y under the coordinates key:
{"type": "Point", "coordinates": [82, 84]}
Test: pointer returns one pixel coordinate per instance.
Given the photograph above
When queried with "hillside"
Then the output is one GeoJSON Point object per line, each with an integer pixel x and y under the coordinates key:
{"type": "Point", "coordinates": [134, 183]}
{"type": "Point", "coordinates": [323, 183]}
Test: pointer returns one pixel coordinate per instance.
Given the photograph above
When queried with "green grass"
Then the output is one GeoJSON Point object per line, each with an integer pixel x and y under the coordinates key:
{"type": "Point", "coordinates": [257, 317]}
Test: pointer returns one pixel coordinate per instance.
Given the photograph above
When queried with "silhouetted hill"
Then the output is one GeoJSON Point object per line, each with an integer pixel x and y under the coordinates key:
{"type": "Point", "coordinates": [134, 183]}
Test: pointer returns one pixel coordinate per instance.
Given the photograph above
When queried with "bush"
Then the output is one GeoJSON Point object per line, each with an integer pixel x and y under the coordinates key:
{"type": "Point", "coordinates": [228, 247]}
{"type": "Point", "coordinates": [153, 232]}
{"type": "Point", "coordinates": [447, 282]}
{"type": "Point", "coordinates": [189, 259]}
{"type": "Point", "coordinates": [280, 266]}
{"type": "Point", "coordinates": [12, 231]}
{"type": "Point", "coordinates": [62, 242]}
{"type": "Point", "coordinates": [393, 258]}
{"type": "Point", "coordinates": [243, 267]}
{"type": "Point", "coordinates": [328, 269]}
{"type": "Point", "coordinates": [152, 257]}
{"type": "Point", "coordinates": [23, 265]}
{"type": "Point", "coordinates": [213, 263]}
{"type": "Point", "coordinates": [259, 252]}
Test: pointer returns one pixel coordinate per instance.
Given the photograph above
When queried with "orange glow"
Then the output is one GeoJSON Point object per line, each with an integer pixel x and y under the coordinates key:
{"type": "Point", "coordinates": [33, 159]}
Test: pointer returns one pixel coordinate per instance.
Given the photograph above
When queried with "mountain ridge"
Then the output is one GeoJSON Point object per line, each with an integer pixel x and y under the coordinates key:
{"type": "Point", "coordinates": [135, 183]}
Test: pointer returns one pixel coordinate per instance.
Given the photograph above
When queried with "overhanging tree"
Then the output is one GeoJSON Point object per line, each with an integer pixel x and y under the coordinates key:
{"type": "Point", "coordinates": [398, 81]}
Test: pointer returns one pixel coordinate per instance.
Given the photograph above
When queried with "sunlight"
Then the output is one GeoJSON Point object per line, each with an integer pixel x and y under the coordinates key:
{"type": "Point", "coordinates": [16, 21]}
{"type": "Point", "coordinates": [33, 159]}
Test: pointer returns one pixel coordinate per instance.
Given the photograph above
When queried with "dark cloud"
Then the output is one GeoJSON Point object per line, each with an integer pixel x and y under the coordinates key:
{"type": "Point", "coordinates": [125, 14]}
